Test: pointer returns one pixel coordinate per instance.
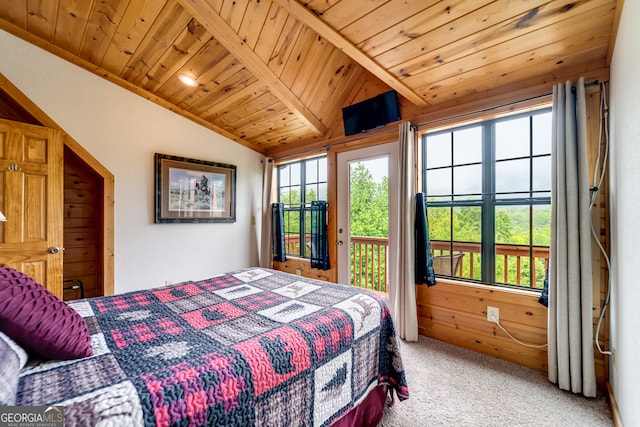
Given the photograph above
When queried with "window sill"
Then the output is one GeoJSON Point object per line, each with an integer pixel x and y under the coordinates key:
{"type": "Point", "coordinates": [296, 258]}
{"type": "Point", "coordinates": [485, 287]}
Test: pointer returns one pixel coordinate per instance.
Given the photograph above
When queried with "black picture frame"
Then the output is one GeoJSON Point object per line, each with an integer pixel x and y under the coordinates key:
{"type": "Point", "coordinates": [192, 190]}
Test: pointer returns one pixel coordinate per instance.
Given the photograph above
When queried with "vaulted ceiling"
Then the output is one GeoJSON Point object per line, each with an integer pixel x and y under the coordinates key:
{"type": "Point", "coordinates": [274, 74]}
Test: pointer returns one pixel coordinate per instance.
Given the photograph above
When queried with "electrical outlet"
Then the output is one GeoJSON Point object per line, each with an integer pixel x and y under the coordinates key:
{"type": "Point", "coordinates": [298, 272]}
{"type": "Point", "coordinates": [493, 314]}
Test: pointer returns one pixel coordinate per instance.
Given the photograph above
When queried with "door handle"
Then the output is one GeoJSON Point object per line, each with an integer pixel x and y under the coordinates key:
{"type": "Point", "coordinates": [339, 242]}
{"type": "Point", "coordinates": [14, 168]}
{"type": "Point", "coordinates": [54, 250]}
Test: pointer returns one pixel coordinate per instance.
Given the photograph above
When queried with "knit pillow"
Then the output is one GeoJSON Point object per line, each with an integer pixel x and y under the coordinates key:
{"type": "Point", "coordinates": [12, 359]}
{"type": "Point", "coordinates": [38, 321]}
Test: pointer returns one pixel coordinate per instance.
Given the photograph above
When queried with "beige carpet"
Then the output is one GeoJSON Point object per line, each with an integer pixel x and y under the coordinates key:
{"type": "Point", "coordinates": [452, 386]}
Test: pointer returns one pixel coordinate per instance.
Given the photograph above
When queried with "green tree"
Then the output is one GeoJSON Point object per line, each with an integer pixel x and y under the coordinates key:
{"type": "Point", "coordinates": [369, 205]}
{"type": "Point", "coordinates": [369, 217]}
{"type": "Point", "coordinates": [504, 227]}
{"type": "Point", "coordinates": [467, 224]}
{"type": "Point", "coordinates": [291, 198]}
{"type": "Point", "coordinates": [439, 223]}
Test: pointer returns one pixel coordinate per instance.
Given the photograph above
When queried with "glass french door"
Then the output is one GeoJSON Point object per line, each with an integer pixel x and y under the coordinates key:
{"type": "Point", "coordinates": [368, 216]}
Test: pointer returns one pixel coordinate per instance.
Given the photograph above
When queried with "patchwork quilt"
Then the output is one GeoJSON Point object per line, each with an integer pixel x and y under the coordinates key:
{"type": "Point", "coordinates": [251, 347]}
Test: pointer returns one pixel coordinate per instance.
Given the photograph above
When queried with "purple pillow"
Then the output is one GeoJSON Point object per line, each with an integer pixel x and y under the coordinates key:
{"type": "Point", "coordinates": [39, 321]}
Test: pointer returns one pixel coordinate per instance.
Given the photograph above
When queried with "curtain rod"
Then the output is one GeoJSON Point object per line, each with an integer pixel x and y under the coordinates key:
{"type": "Point", "coordinates": [484, 110]}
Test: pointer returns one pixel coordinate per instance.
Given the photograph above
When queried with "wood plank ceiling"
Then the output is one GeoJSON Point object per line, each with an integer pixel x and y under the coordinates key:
{"type": "Point", "coordinates": [274, 74]}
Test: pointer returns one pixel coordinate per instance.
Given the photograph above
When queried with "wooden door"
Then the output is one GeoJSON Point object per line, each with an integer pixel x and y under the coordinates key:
{"type": "Point", "coordinates": [31, 198]}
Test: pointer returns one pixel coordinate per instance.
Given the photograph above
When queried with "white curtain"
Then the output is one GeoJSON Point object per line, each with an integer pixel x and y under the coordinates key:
{"type": "Point", "coordinates": [571, 357]}
{"type": "Point", "coordinates": [266, 257]}
{"type": "Point", "coordinates": [403, 291]}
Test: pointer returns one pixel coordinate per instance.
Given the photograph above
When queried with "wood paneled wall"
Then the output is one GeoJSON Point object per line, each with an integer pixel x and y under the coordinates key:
{"type": "Point", "coordinates": [302, 267]}
{"type": "Point", "coordinates": [600, 219]}
{"type": "Point", "coordinates": [83, 195]}
{"type": "Point", "coordinates": [457, 313]}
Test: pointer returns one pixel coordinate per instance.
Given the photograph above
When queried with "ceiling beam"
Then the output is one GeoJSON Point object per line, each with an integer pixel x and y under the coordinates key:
{"type": "Point", "coordinates": [219, 28]}
{"type": "Point", "coordinates": [335, 38]}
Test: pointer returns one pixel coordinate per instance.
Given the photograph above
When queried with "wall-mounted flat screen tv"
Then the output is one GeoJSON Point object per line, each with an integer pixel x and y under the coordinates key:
{"type": "Point", "coordinates": [371, 113]}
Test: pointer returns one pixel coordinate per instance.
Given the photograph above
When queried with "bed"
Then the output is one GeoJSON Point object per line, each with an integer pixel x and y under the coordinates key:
{"type": "Point", "coordinates": [250, 347]}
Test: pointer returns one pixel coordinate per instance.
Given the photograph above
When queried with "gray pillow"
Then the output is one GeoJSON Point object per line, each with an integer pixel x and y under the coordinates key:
{"type": "Point", "coordinates": [12, 359]}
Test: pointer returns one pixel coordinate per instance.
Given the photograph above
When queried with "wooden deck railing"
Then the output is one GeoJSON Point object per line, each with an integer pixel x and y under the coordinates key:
{"type": "Point", "coordinates": [369, 261]}
{"type": "Point", "coordinates": [368, 272]}
{"type": "Point", "coordinates": [511, 260]}
{"type": "Point", "coordinates": [292, 244]}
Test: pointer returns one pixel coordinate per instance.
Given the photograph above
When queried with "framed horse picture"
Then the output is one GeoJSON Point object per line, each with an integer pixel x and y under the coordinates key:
{"type": "Point", "coordinates": [192, 190]}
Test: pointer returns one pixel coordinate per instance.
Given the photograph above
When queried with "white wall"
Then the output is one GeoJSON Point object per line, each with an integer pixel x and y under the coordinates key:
{"type": "Point", "coordinates": [625, 223]}
{"type": "Point", "coordinates": [123, 131]}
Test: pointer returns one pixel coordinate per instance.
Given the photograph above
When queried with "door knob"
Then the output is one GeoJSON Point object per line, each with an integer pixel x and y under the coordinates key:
{"type": "Point", "coordinates": [54, 250]}
{"type": "Point", "coordinates": [339, 242]}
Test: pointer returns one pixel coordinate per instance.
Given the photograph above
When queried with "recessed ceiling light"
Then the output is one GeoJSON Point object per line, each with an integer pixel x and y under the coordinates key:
{"type": "Point", "coordinates": [188, 80]}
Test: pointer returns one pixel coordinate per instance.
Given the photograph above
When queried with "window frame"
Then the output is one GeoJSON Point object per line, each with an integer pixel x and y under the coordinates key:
{"type": "Point", "coordinates": [304, 208]}
{"type": "Point", "coordinates": [488, 201]}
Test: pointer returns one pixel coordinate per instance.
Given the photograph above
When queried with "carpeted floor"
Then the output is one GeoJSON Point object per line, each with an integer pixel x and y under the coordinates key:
{"type": "Point", "coordinates": [452, 386]}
